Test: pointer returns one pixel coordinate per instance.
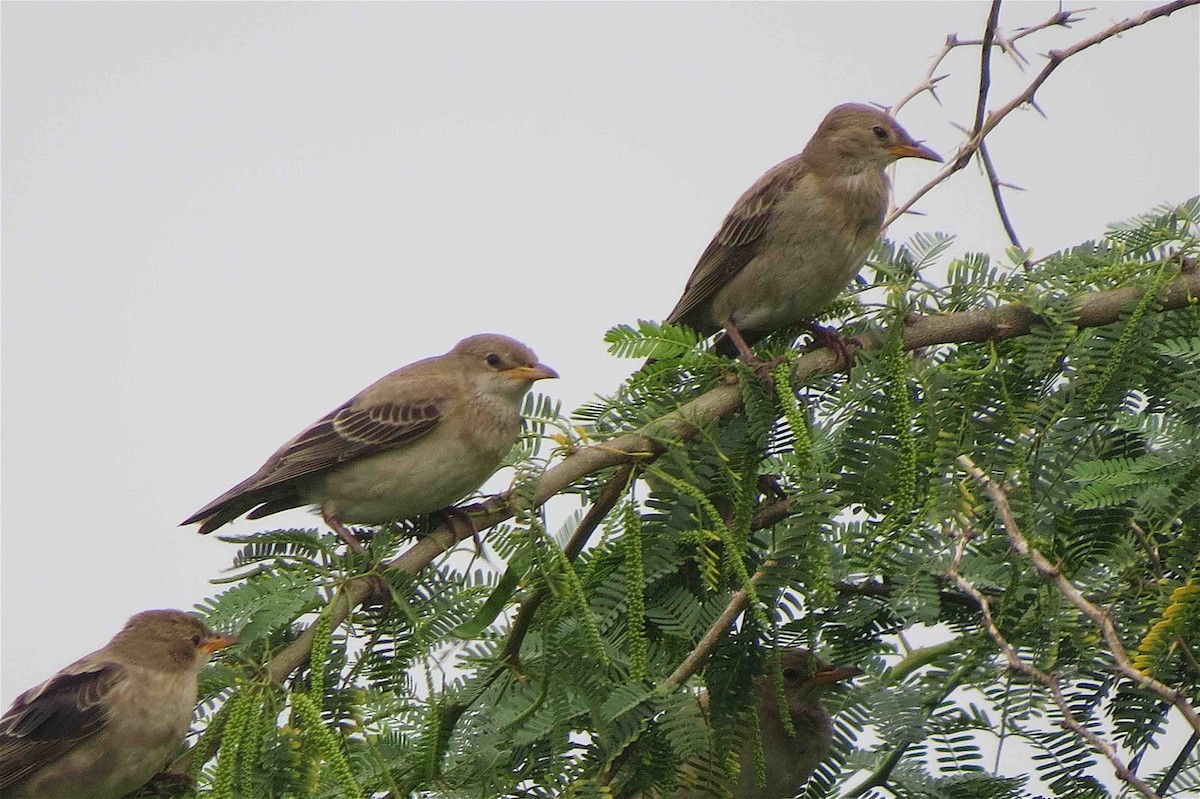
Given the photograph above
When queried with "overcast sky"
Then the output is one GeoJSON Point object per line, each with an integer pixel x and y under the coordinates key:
{"type": "Point", "coordinates": [222, 220]}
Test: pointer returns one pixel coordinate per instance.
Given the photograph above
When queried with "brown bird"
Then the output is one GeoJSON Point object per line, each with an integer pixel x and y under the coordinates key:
{"type": "Point", "coordinates": [106, 724]}
{"type": "Point", "coordinates": [413, 442]}
{"type": "Point", "coordinates": [790, 761]}
{"type": "Point", "coordinates": [798, 235]}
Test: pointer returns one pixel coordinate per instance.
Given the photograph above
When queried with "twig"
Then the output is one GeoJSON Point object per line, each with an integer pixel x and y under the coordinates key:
{"type": "Point", "coordinates": [1177, 766]}
{"type": "Point", "coordinates": [1064, 19]}
{"type": "Point", "coordinates": [994, 182]}
{"type": "Point", "coordinates": [764, 517]}
{"type": "Point", "coordinates": [1148, 546]}
{"type": "Point", "coordinates": [1051, 681]}
{"type": "Point", "coordinates": [928, 81]}
{"type": "Point", "coordinates": [985, 66]}
{"type": "Point", "coordinates": [1055, 59]}
{"type": "Point", "coordinates": [696, 658]}
{"type": "Point", "coordinates": [604, 503]}
{"type": "Point", "coordinates": [1097, 615]}
{"type": "Point", "coordinates": [872, 588]}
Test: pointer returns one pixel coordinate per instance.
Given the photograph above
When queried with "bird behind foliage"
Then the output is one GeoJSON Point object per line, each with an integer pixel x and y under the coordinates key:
{"type": "Point", "coordinates": [790, 760]}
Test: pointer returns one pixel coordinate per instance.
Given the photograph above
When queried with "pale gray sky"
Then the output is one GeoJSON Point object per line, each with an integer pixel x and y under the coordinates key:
{"type": "Point", "coordinates": [221, 220]}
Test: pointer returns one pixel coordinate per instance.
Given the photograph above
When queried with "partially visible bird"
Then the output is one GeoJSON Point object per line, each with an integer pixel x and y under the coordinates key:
{"type": "Point", "coordinates": [413, 442]}
{"type": "Point", "coordinates": [107, 723]}
{"type": "Point", "coordinates": [790, 760]}
{"type": "Point", "coordinates": [798, 235]}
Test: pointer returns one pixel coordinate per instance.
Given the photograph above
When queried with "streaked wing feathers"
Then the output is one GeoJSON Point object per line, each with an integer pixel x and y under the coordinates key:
{"type": "Point", "coordinates": [386, 425]}
{"type": "Point", "coordinates": [350, 433]}
{"type": "Point", "coordinates": [737, 242]}
{"type": "Point", "coordinates": [345, 433]}
{"type": "Point", "coordinates": [46, 721]}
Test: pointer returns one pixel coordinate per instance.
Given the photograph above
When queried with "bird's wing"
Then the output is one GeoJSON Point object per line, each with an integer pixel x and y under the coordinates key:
{"type": "Point", "coordinates": [354, 430]}
{"type": "Point", "coordinates": [737, 242]}
{"type": "Point", "coordinates": [45, 722]}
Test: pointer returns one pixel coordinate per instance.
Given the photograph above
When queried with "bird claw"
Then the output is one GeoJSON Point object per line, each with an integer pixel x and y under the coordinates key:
{"type": "Point", "coordinates": [831, 339]}
{"type": "Point", "coordinates": [453, 516]}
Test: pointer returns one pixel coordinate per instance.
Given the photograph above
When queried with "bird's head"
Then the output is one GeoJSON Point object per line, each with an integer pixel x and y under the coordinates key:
{"type": "Point", "coordinates": [855, 138]}
{"type": "Point", "coordinates": [500, 366]}
{"type": "Point", "coordinates": [806, 676]}
{"type": "Point", "coordinates": [169, 640]}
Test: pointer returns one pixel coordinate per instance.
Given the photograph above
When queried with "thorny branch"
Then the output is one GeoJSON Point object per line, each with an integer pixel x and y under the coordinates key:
{"type": "Point", "coordinates": [1096, 614]}
{"type": "Point", "coordinates": [995, 184]}
{"type": "Point", "coordinates": [993, 37]}
{"type": "Point", "coordinates": [985, 65]}
{"type": "Point", "coordinates": [1055, 58]}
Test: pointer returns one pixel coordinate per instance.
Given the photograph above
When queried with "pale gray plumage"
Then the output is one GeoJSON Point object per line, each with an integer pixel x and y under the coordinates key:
{"type": "Point", "coordinates": [790, 760]}
{"type": "Point", "coordinates": [415, 441]}
{"type": "Point", "coordinates": [794, 240]}
{"type": "Point", "coordinates": [108, 722]}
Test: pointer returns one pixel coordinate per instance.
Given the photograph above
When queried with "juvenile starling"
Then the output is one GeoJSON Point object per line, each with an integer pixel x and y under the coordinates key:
{"type": "Point", "coordinates": [106, 724]}
{"type": "Point", "coordinates": [798, 236]}
{"type": "Point", "coordinates": [413, 442]}
{"type": "Point", "coordinates": [790, 760]}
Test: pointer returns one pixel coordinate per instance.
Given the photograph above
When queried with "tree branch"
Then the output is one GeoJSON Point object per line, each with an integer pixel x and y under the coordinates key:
{"type": "Point", "coordinates": [604, 503]}
{"type": "Point", "coordinates": [985, 65]}
{"type": "Point", "coordinates": [1096, 614]}
{"type": "Point", "coordinates": [1051, 682]}
{"type": "Point", "coordinates": [1055, 59]}
{"type": "Point", "coordinates": [998, 199]}
{"type": "Point", "coordinates": [1006, 321]}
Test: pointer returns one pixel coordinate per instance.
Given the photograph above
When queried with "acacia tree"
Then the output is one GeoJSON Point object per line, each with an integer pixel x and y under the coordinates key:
{"type": "Point", "coordinates": [994, 511]}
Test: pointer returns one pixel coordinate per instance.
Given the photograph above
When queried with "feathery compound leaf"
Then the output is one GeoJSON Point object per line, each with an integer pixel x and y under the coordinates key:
{"type": "Point", "coordinates": [651, 340]}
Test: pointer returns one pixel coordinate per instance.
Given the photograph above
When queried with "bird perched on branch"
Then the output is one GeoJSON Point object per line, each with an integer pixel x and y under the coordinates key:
{"type": "Point", "coordinates": [790, 760]}
{"type": "Point", "coordinates": [106, 724]}
{"type": "Point", "coordinates": [798, 236]}
{"type": "Point", "coordinates": [413, 442]}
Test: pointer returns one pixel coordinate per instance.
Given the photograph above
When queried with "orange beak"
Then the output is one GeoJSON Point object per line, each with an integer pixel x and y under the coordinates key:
{"type": "Point", "coordinates": [915, 150]}
{"type": "Point", "coordinates": [835, 674]}
{"type": "Point", "coordinates": [219, 641]}
{"type": "Point", "coordinates": [539, 371]}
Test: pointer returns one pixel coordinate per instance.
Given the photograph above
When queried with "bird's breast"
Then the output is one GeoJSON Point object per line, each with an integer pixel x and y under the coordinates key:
{"type": "Point", "coordinates": [148, 715]}
{"type": "Point", "coordinates": [433, 472]}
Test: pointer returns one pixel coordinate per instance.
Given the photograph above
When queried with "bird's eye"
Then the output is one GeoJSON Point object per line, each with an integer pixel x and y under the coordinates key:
{"type": "Point", "coordinates": [879, 132]}
{"type": "Point", "coordinates": [493, 359]}
{"type": "Point", "coordinates": [791, 675]}
{"type": "Point", "coordinates": [196, 639]}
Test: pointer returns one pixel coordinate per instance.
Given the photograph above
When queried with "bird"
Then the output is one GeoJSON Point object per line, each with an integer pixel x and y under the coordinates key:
{"type": "Point", "coordinates": [107, 723]}
{"type": "Point", "coordinates": [415, 441]}
{"type": "Point", "coordinates": [790, 760]}
{"type": "Point", "coordinates": [798, 236]}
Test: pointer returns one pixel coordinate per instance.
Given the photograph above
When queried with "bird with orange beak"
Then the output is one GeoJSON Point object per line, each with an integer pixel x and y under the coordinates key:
{"type": "Point", "coordinates": [107, 723]}
{"type": "Point", "coordinates": [798, 236]}
{"type": "Point", "coordinates": [415, 441]}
